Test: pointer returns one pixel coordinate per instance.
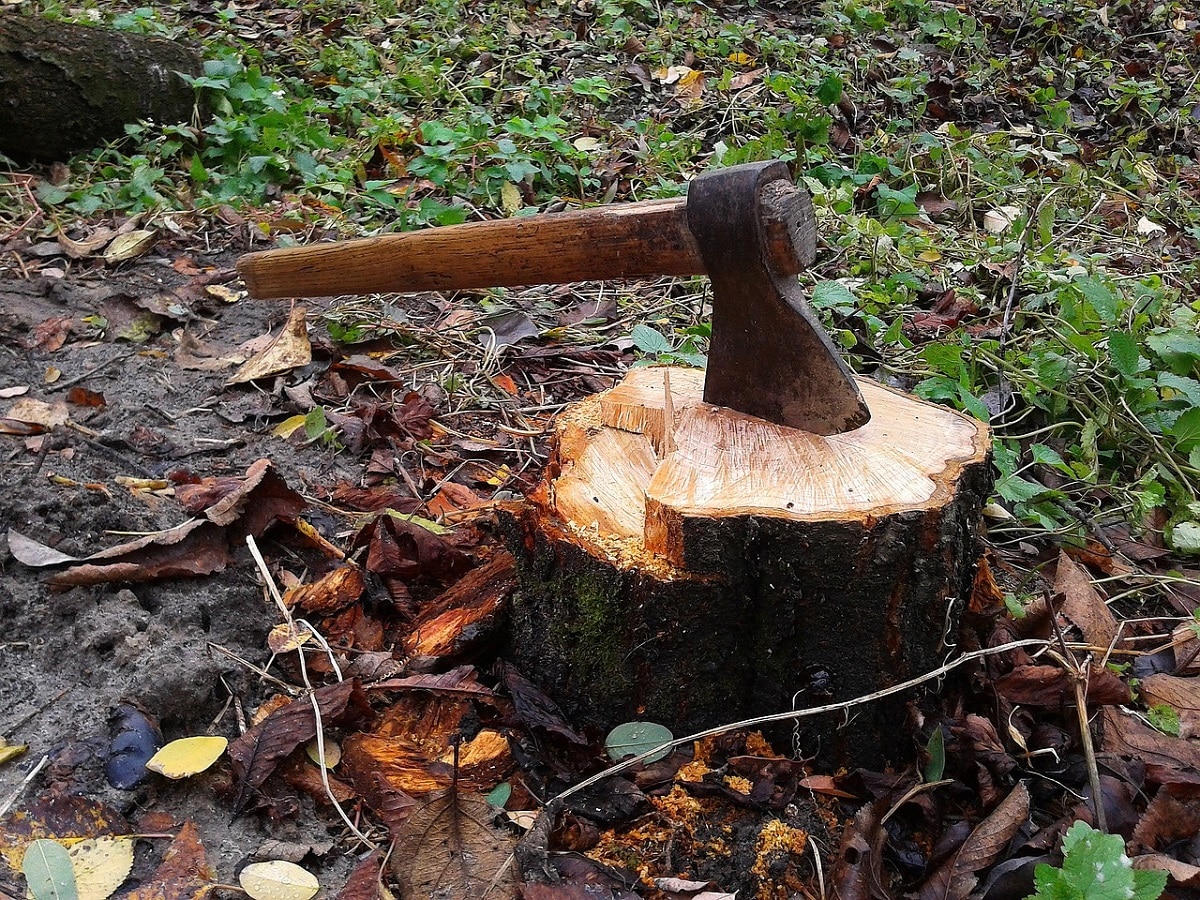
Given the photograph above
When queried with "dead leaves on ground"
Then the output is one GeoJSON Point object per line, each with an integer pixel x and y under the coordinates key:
{"type": "Point", "coordinates": [227, 510]}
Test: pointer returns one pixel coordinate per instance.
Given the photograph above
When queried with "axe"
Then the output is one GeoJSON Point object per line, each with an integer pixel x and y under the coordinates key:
{"type": "Point", "coordinates": [747, 227]}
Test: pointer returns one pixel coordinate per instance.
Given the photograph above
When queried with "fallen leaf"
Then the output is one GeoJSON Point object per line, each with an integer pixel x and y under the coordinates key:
{"type": "Point", "coordinates": [101, 865]}
{"type": "Point", "coordinates": [87, 246]}
{"type": "Point", "coordinates": [1000, 219]}
{"type": "Point", "coordinates": [34, 554]}
{"type": "Point", "coordinates": [289, 350]}
{"type": "Point", "coordinates": [449, 850]}
{"type": "Point", "coordinates": [183, 874]}
{"type": "Point", "coordinates": [51, 334]}
{"type": "Point", "coordinates": [56, 816]}
{"type": "Point", "coordinates": [1083, 605]}
{"type": "Point", "coordinates": [39, 412]}
{"type": "Point", "coordinates": [278, 880]}
{"type": "Point", "coordinates": [14, 391]}
{"type": "Point", "coordinates": [956, 877]}
{"type": "Point", "coordinates": [335, 590]}
{"type": "Point", "coordinates": [194, 548]}
{"type": "Point", "coordinates": [129, 246]}
{"type": "Point", "coordinates": [1126, 736]}
{"type": "Point", "coordinates": [257, 752]}
{"type": "Point", "coordinates": [187, 756]}
{"type": "Point", "coordinates": [48, 872]}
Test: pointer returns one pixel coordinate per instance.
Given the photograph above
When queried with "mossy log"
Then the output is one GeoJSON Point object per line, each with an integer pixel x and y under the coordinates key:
{"type": "Point", "coordinates": [67, 88]}
{"type": "Point", "coordinates": [691, 565]}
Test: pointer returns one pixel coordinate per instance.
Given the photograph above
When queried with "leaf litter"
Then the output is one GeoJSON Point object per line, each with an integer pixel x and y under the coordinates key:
{"type": "Point", "coordinates": [450, 420]}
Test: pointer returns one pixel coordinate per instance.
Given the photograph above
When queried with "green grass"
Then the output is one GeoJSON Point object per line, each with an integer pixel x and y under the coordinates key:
{"type": "Point", "coordinates": [1077, 333]}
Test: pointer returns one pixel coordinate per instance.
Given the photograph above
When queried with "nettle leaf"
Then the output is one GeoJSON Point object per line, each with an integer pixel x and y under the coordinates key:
{"type": "Point", "coordinates": [650, 340]}
{"type": "Point", "coordinates": [830, 90]}
{"type": "Point", "coordinates": [1123, 350]}
{"type": "Point", "coordinates": [1048, 456]}
{"type": "Point", "coordinates": [1178, 348]}
{"type": "Point", "coordinates": [1186, 430]}
{"type": "Point", "coordinates": [833, 295]}
{"type": "Point", "coordinates": [1016, 489]}
{"type": "Point", "coordinates": [1179, 386]}
{"type": "Point", "coordinates": [1102, 297]}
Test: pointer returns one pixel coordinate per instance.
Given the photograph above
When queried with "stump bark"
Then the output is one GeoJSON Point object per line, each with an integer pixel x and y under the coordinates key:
{"type": "Point", "coordinates": [66, 88]}
{"type": "Point", "coordinates": [691, 565]}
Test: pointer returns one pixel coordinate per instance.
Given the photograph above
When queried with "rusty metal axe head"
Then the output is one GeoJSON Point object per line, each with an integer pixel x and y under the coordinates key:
{"type": "Point", "coordinates": [748, 227]}
{"type": "Point", "coordinates": [769, 355]}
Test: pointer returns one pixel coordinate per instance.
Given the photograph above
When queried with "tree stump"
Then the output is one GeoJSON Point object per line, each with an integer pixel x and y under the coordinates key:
{"type": "Point", "coordinates": [691, 565]}
{"type": "Point", "coordinates": [66, 88]}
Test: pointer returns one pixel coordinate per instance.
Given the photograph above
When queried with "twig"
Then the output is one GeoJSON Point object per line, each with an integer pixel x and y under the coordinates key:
{"type": "Point", "coordinates": [84, 376]}
{"type": "Point", "coordinates": [799, 713]}
{"type": "Point", "coordinates": [20, 788]}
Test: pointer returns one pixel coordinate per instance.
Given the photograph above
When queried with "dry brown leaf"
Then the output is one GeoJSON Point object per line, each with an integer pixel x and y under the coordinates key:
{"type": "Point", "coordinates": [448, 849]}
{"type": "Point", "coordinates": [1129, 737]}
{"type": "Point", "coordinates": [290, 350]}
{"type": "Point", "coordinates": [956, 877]}
{"type": "Point", "coordinates": [257, 752]}
{"type": "Point", "coordinates": [38, 412]}
{"type": "Point", "coordinates": [87, 246]}
{"type": "Point", "coordinates": [1083, 605]}
{"type": "Point", "coordinates": [184, 873]}
{"type": "Point", "coordinates": [129, 246]}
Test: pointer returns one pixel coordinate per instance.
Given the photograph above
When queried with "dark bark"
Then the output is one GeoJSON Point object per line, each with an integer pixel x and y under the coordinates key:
{"type": "Point", "coordinates": [68, 88]}
{"type": "Point", "coordinates": [769, 609]}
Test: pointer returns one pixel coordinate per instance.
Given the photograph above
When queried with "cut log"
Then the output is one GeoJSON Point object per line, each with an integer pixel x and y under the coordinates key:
{"type": "Point", "coordinates": [688, 564]}
{"type": "Point", "coordinates": [66, 88]}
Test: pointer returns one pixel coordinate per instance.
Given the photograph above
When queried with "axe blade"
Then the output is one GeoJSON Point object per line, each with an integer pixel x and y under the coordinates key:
{"type": "Point", "coordinates": [769, 355]}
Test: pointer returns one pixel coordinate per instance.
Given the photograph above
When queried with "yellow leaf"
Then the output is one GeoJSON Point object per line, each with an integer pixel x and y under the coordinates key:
{"type": "Point", "coordinates": [129, 246]}
{"type": "Point", "coordinates": [101, 865]}
{"type": "Point", "coordinates": [510, 197]}
{"type": "Point", "coordinates": [220, 292]}
{"type": "Point", "coordinates": [929, 256]}
{"type": "Point", "coordinates": [741, 59]}
{"type": "Point", "coordinates": [502, 475]}
{"type": "Point", "coordinates": [187, 756]}
{"type": "Point", "coordinates": [278, 880]}
{"type": "Point", "coordinates": [9, 752]}
{"type": "Point", "coordinates": [333, 753]}
{"type": "Point", "coordinates": [288, 427]}
{"type": "Point", "coordinates": [287, 636]}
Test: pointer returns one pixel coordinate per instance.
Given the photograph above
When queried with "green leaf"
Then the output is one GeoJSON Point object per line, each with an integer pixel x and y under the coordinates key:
{"type": "Point", "coordinates": [833, 295]}
{"type": "Point", "coordinates": [636, 738]}
{"type": "Point", "coordinates": [830, 90]}
{"type": "Point", "coordinates": [315, 424]}
{"type": "Point", "coordinates": [1178, 348]}
{"type": "Point", "coordinates": [1185, 537]}
{"type": "Point", "coordinates": [1095, 867]}
{"type": "Point", "coordinates": [1164, 718]}
{"type": "Point", "coordinates": [936, 748]}
{"type": "Point", "coordinates": [1100, 295]}
{"type": "Point", "coordinates": [1016, 489]}
{"type": "Point", "coordinates": [1186, 430]}
{"type": "Point", "coordinates": [650, 340]}
{"type": "Point", "coordinates": [499, 795]}
{"type": "Point", "coordinates": [1179, 386]}
{"type": "Point", "coordinates": [1124, 352]}
{"type": "Point", "coordinates": [48, 872]}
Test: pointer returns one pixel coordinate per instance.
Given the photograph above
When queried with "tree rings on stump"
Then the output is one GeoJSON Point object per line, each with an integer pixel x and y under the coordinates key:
{"type": "Point", "coordinates": [692, 565]}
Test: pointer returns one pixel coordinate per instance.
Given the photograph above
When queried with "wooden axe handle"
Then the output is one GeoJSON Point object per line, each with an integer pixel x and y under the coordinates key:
{"type": "Point", "coordinates": [619, 241]}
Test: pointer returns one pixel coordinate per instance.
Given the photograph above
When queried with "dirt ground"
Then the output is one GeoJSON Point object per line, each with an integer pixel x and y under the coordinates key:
{"type": "Point", "coordinates": [70, 657]}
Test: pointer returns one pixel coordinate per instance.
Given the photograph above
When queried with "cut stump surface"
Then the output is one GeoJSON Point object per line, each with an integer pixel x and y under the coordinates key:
{"type": "Point", "coordinates": [689, 564]}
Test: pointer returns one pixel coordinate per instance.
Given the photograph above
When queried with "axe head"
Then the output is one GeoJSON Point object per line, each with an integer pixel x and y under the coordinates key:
{"type": "Point", "coordinates": [769, 355]}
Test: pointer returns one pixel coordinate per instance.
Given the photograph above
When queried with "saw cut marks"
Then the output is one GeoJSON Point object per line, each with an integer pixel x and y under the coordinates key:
{"type": "Point", "coordinates": [639, 461]}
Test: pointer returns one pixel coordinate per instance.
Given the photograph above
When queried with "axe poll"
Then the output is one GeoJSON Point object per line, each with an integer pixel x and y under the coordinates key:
{"type": "Point", "coordinates": [747, 227]}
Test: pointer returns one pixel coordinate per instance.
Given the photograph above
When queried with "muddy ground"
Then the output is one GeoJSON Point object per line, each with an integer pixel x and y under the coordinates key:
{"type": "Point", "coordinates": [68, 658]}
